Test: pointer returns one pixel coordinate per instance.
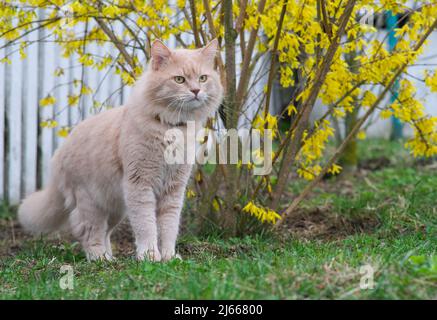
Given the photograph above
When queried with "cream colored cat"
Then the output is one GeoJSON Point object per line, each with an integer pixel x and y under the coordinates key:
{"type": "Point", "coordinates": [112, 165]}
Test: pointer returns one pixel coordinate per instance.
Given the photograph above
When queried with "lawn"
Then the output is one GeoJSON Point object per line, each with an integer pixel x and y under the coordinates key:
{"type": "Point", "coordinates": [384, 218]}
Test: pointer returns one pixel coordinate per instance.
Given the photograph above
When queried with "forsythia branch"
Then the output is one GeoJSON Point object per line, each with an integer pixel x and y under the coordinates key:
{"type": "Point", "coordinates": [310, 186]}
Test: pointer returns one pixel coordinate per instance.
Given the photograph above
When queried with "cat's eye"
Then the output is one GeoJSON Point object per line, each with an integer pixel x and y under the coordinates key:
{"type": "Point", "coordinates": [179, 79]}
{"type": "Point", "coordinates": [203, 78]}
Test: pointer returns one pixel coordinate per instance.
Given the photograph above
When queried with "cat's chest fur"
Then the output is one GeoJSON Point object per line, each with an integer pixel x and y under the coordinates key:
{"type": "Point", "coordinates": [146, 164]}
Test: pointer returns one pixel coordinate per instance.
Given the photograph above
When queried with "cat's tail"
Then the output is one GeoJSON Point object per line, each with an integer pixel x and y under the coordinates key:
{"type": "Point", "coordinates": [43, 211]}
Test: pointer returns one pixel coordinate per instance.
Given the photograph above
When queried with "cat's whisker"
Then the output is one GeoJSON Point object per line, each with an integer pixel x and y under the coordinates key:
{"type": "Point", "coordinates": [180, 111]}
{"type": "Point", "coordinates": [165, 98]}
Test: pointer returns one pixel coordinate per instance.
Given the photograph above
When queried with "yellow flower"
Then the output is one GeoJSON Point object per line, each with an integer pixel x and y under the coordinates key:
{"type": "Point", "coordinates": [63, 132]}
{"type": "Point", "coordinates": [361, 135]}
{"type": "Point", "coordinates": [339, 113]}
{"type": "Point", "coordinates": [180, 3]}
{"type": "Point", "coordinates": [6, 60]}
{"type": "Point", "coordinates": [335, 169]}
{"type": "Point", "coordinates": [85, 90]}
{"type": "Point", "coordinates": [73, 100]}
{"type": "Point", "coordinates": [270, 122]}
{"type": "Point", "coordinates": [59, 72]}
{"type": "Point", "coordinates": [291, 109]}
{"type": "Point", "coordinates": [47, 101]}
{"type": "Point", "coordinates": [215, 205]}
{"type": "Point", "coordinates": [309, 173]}
{"type": "Point", "coordinates": [431, 81]}
{"type": "Point", "coordinates": [262, 214]}
{"type": "Point", "coordinates": [86, 60]}
{"type": "Point", "coordinates": [111, 11]}
{"type": "Point", "coordinates": [368, 99]}
{"type": "Point", "coordinates": [190, 193]}
{"type": "Point", "coordinates": [22, 52]}
{"type": "Point", "coordinates": [78, 8]}
{"type": "Point", "coordinates": [198, 176]}
{"type": "Point", "coordinates": [385, 114]}
{"type": "Point", "coordinates": [127, 78]}
{"type": "Point", "coordinates": [49, 123]}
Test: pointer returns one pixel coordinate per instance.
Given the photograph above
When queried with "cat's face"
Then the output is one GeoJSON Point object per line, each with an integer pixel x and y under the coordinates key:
{"type": "Point", "coordinates": [184, 80]}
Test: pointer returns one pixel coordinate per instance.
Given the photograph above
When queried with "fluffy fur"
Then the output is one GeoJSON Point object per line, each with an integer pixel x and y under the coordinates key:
{"type": "Point", "coordinates": [112, 165]}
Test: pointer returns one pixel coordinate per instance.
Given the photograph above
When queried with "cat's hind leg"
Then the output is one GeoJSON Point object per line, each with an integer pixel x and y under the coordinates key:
{"type": "Point", "coordinates": [89, 225]}
{"type": "Point", "coordinates": [113, 221]}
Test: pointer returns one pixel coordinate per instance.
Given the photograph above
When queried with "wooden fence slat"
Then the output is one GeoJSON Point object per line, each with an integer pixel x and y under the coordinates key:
{"type": "Point", "coordinates": [62, 107]}
{"type": "Point", "coordinates": [111, 94]}
{"type": "Point", "coordinates": [14, 115]}
{"type": "Point", "coordinates": [30, 120]}
{"type": "Point", "coordinates": [94, 81]}
{"type": "Point", "coordinates": [118, 98]}
{"type": "Point", "coordinates": [87, 102]}
{"type": "Point", "coordinates": [102, 93]}
{"type": "Point", "coordinates": [74, 74]}
{"type": "Point", "coordinates": [2, 119]}
{"type": "Point", "coordinates": [126, 90]}
{"type": "Point", "coordinates": [47, 111]}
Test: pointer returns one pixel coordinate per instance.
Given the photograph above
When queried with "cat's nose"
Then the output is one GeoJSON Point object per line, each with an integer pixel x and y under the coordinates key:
{"type": "Point", "coordinates": [195, 91]}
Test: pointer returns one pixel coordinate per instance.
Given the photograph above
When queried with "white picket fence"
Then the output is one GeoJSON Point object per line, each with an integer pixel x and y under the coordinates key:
{"type": "Point", "coordinates": [25, 147]}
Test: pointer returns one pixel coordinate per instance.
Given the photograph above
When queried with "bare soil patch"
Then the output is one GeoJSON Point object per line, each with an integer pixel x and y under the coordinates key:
{"type": "Point", "coordinates": [375, 163]}
{"type": "Point", "coordinates": [322, 223]}
{"type": "Point", "coordinates": [11, 237]}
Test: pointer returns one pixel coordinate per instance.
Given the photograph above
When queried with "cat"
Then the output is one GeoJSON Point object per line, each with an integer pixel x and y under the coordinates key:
{"type": "Point", "coordinates": [112, 164]}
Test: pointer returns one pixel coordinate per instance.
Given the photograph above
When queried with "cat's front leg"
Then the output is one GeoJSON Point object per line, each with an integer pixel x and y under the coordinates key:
{"type": "Point", "coordinates": [169, 211]}
{"type": "Point", "coordinates": [141, 212]}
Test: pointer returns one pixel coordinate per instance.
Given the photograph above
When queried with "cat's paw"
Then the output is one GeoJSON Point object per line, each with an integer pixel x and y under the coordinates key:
{"type": "Point", "coordinates": [149, 255]}
{"type": "Point", "coordinates": [170, 255]}
{"type": "Point", "coordinates": [99, 256]}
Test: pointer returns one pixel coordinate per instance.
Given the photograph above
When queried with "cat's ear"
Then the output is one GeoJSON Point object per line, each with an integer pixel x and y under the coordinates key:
{"type": "Point", "coordinates": [160, 54]}
{"type": "Point", "coordinates": [210, 50]}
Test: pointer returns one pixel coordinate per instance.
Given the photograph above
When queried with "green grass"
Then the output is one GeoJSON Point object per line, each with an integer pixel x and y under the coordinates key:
{"type": "Point", "coordinates": [400, 244]}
